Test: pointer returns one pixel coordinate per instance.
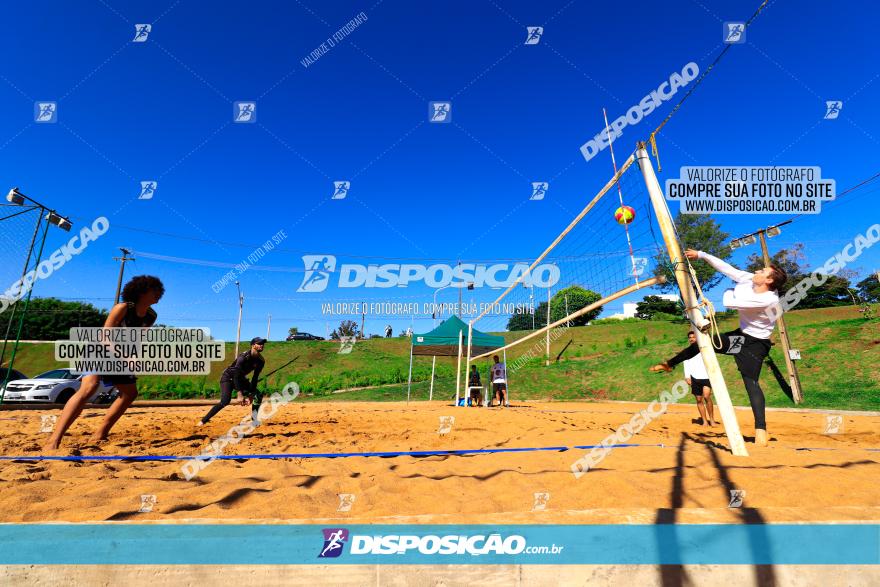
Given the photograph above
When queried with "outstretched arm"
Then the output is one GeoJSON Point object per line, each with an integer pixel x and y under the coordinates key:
{"type": "Point", "coordinates": [727, 269]}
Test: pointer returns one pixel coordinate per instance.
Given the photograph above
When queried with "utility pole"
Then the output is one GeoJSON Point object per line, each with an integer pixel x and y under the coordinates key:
{"type": "Point", "coordinates": [793, 378]}
{"type": "Point", "coordinates": [269, 327]}
{"type": "Point", "coordinates": [122, 259]}
{"type": "Point", "coordinates": [363, 319]}
{"type": "Point", "coordinates": [240, 304]}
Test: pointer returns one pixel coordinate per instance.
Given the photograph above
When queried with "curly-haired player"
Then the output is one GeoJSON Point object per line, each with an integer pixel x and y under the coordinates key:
{"type": "Point", "coordinates": [135, 311]}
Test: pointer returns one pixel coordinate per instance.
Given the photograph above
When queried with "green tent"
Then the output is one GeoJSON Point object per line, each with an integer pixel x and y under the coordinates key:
{"type": "Point", "coordinates": [444, 341]}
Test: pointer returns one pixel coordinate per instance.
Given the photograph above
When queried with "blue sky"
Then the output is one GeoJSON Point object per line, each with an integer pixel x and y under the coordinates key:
{"type": "Point", "coordinates": [162, 110]}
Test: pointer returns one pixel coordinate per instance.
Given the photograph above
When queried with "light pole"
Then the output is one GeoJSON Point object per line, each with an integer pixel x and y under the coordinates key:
{"type": "Point", "coordinates": [532, 302]}
{"type": "Point", "coordinates": [532, 308]}
{"type": "Point", "coordinates": [470, 286]}
{"type": "Point", "coordinates": [791, 366]}
{"type": "Point", "coordinates": [434, 324]}
{"type": "Point", "coordinates": [240, 304]}
{"type": "Point", "coordinates": [548, 329]}
{"type": "Point", "coordinates": [16, 198]}
{"type": "Point", "coordinates": [459, 296]}
{"type": "Point", "coordinates": [123, 259]}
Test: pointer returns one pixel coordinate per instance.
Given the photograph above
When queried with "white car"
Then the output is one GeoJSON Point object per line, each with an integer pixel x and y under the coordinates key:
{"type": "Point", "coordinates": [55, 386]}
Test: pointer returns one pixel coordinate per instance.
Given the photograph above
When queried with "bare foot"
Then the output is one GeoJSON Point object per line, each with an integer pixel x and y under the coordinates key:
{"type": "Point", "coordinates": [51, 445]}
{"type": "Point", "coordinates": [661, 367]}
{"type": "Point", "coordinates": [760, 437]}
{"type": "Point", "coordinates": [96, 439]}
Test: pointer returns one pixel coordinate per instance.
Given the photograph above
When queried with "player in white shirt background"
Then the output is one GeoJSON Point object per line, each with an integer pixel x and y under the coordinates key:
{"type": "Point", "coordinates": [498, 373]}
{"type": "Point", "coordinates": [749, 344]}
{"type": "Point", "coordinates": [695, 375]}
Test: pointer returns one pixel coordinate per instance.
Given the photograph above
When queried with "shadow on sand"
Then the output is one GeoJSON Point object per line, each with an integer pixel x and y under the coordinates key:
{"type": "Point", "coordinates": [674, 575]}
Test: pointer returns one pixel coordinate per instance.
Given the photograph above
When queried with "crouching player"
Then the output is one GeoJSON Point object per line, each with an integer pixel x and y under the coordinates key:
{"type": "Point", "coordinates": [235, 377]}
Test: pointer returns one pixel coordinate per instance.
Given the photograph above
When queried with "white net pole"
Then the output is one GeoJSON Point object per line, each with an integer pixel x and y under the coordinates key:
{"type": "Point", "coordinates": [458, 371]}
{"type": "Point", "coordinates": [689, 297]}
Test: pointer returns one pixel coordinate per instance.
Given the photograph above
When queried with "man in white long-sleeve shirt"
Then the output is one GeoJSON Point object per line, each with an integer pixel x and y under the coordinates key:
{"type": "Point", "coordinates": [749, 344]}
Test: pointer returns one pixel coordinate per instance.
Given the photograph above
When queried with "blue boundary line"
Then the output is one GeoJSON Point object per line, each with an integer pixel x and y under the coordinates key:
{"type": "Point", "coordinates": [340, 455]}
{"type": "Point", "coordinates": [327, 455]}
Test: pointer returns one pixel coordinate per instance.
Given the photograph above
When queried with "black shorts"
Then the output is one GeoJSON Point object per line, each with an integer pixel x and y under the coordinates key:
{"type": "Point", "coordinates": [698, 384]}
{"type": "Point", "coordinates": [748, 352]}
{"type": "Point", "coordinates": [499, 387]}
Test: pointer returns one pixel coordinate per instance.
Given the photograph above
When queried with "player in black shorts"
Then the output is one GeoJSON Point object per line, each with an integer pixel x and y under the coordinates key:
{"type": "Point", "coordinates": [235, 377]}
{"type": "Point", "coordinates": [135, 311]}
{"type": "Point", "coordinates": [696, 376]}
{"type": "Point", "coordinates": [475, 387]}
{"type": "Point", "coordinates": [498, 376]}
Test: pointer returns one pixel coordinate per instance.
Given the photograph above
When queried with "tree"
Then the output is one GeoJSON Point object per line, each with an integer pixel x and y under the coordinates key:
{"type": "Point", "coordinates": [347, 328]}
{"type": "Point", "coordinates": [578, 298]}
{"type": "Point", "coordinates": [700, 232]}
{"type": "Point", "coordinates": [869, 289]}
{"type": "Point", "coordinates": [523, 320]}
{"type": "Point", "coordinates": [652, 305]}
{"type": "Point", "coordinates": [834, 292]}
{"type": "Point", "coordinates": [292, 330]}
{"type": "Point", "coordinates": [52, 319]}
{"type": "Point", "coordinates": [791, 260]}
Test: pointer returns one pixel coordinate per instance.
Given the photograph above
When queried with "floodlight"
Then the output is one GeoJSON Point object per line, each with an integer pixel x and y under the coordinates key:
{"type": "Point", "coordinates": [59, 221]}
{"type": "Point", "coordinates": [749, 240]}
{"type": "Point", "coordinates": [773, 231]}
{"type": "Point", "coordinates": [14, 197]}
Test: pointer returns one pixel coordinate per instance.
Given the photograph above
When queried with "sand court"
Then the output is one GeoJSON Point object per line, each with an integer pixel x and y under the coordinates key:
{"type": "Point", "coordinates": [678, 472]}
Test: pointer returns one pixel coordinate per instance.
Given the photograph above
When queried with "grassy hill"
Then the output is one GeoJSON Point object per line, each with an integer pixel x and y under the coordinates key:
{"type": "Point", "coordinates": [840, 367]}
